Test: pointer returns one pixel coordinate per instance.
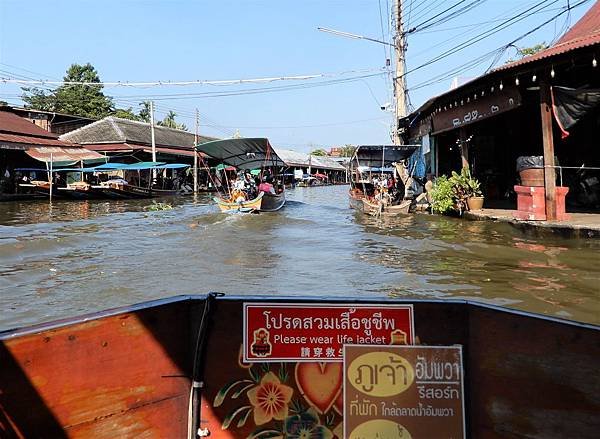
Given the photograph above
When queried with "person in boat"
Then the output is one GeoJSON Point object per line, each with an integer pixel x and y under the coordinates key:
{"type": "Point", "coordinates": [250, 185]}
{"type": "Point", "coordinates": [238, 189]}
{"type": "Point", "coordinates": [266, 186]}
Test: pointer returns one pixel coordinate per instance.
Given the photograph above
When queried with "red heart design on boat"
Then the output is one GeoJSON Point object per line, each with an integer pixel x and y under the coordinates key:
{"type": "Point", "coordinates": [320, 383]}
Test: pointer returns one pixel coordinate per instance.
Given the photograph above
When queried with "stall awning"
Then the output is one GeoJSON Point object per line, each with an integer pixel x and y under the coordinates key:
{"type": "Point", "coordinates": [174, 151]}
{"type": "Point", "coordinates": [63, 156]}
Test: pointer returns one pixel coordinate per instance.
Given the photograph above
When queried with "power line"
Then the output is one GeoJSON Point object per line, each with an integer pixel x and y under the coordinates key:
{"type": "Point", "coordinates": [423, 25]}
{"type": "Point", "coordinates": [497, 52]}
{"type": "Point", "coordinates": [511, 13]}
{"type": "Point", "coordinates": [186, 83]}
{"type": "Point", "coordinates": [481, 36]}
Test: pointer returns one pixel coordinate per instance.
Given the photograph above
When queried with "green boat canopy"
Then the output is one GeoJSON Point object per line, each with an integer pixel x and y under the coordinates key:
{"type": "Point", "coordinates": [244, 154]}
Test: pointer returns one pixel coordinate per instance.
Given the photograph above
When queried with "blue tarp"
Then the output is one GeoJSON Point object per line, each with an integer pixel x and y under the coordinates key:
{"type": "Point", "coordinates": [172, 166]}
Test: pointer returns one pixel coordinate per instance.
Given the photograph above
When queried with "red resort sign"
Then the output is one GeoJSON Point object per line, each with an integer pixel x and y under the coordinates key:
{"type": "Point", "coordinates": [301, 332]}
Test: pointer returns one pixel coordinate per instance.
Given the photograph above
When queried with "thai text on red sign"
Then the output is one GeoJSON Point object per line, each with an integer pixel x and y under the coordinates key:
{"type": "Point", "coordinates": [300, 332]}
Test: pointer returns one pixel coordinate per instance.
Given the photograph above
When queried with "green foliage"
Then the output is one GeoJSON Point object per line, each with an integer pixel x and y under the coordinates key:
{"type": "Point", "coordinates": [348, 150]}
{"type": "Point", "coordinates": [442, 195]}
{"type": "Point", "coordinates": [85, 100]}
{"type": "Point", "coordinates": [154, 207]}
{"type": "Point", "coordinates": [170, 122]}
{"type": "Point", "coordinates": [522, 52]}
{"type": "Point", "coordinates": [126, 114]}
{"type": "Point", "coordinates": [319, 152]}
{"type": "Point", "coordinates": [528, 51]}
{"type": "Point", "coordinates": [144, 113]}
{"type": "Point", "coordinates": [451, 194]}
{"type": "Point", "coordinates": [38, 99]}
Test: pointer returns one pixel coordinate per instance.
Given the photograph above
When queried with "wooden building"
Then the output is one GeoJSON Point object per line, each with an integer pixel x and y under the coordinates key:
{"type": "Point", "coordinates": [24, 144]}
{"type": "Point", "coordinates": [519, 109]}
{"type": "Point", "coordinates": [52, 121]}
{"type": "Point", "coordinates": [127, 138]}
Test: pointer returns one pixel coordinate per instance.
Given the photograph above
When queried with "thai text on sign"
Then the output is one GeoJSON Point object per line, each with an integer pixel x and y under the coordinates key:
{"type": "Point", "coordinates": [300, 332]}
{"type": "Point", "coordinates": [407, 392]}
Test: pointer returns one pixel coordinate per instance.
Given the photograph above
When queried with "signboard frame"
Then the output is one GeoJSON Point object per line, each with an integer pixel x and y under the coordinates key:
{"type": "Point", "coordinates": [346, 416]}
{"type": "Point", "coordinates": [342, 306]}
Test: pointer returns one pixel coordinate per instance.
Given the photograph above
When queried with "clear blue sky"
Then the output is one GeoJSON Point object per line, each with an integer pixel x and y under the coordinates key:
{"type": "Point", "coordinates": [144, 40]}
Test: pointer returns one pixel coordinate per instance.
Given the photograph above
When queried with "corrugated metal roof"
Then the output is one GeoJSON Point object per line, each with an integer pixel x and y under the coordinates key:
{"type": "Point", "coordinates": [558, 49]}
{"type": "Point", "coordinates": [587, 25]}
{"type": "Point", "coordinates": [10, 123]}
{"type": "Point", "coordinates": [30, 140]}
{"type": "Point", "coordinates": [61, 154]}
{"type": "Point", "coordinates": [585, 33]}
{"type": "Point", "coordinates": [295, 158]}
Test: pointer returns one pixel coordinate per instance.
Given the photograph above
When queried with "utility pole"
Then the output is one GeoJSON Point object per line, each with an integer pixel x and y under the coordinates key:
{"type": "Point", "coordinates": [401, 106]}
{"type": "Point", "coordinates": [152, 137]}
{"type": "Point", "coordinates": [196, 152]}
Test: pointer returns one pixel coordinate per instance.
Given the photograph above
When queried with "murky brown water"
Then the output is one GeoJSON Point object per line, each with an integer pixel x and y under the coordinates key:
{"type": "Point", "coordinates": [74, 257]}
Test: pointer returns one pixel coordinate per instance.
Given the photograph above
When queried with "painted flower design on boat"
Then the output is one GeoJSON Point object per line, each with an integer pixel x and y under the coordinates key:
{"type": "Point", "coordinates": [306, 425]}
{"type": "Point", "coordinates": [270, 399]}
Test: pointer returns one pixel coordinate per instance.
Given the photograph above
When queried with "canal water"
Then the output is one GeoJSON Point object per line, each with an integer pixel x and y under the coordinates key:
{"type": "Point", "coordinates": [72, 257]}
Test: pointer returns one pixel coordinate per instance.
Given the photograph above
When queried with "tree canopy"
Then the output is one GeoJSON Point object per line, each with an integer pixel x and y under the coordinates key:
{"type": "Point", "coordinates": [88, 100]}
{"type": "Point", "coordinates": [170, 122]}
{"type": "Point", "coordinates": [347, 150]}
{"type": "Point", "coordinates": [319, 152]}
{"type": "Point", "coordinates": [76, 99]}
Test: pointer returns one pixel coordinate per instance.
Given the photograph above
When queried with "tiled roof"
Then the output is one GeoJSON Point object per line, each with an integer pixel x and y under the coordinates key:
{"type": "Point", "coordinates": [115, 130]}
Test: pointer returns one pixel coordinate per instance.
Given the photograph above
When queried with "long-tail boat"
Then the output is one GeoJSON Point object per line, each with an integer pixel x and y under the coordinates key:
{"type": "Point", "coordinates": [248, 154]}
{"type": "Point", "coordinates": [186, 367]}
{"type": "Point", "coordinates": [373, 160]}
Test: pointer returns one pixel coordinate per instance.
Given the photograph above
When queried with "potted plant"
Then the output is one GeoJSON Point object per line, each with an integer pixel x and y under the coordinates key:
{"type": "Point", "coordinates": [473, 190]}
{"type": "Point", "coordinates": [457, 193]}
{"type": "Point", "coordinates": [468, 191]}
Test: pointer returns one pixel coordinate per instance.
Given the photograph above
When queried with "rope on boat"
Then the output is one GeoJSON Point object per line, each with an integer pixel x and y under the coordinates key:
{"type": "Point", "coordinates": [197, 383]}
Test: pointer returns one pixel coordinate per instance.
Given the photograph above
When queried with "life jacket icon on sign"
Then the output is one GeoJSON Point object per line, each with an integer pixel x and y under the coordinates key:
{"type": "Point", "coordinates": [398, 337]}
{"type": "Point", "coordinates": [261, 346]}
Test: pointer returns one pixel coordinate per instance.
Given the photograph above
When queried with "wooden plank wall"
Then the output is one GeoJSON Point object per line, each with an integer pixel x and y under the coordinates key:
{"type": "Point", "coordinates": [121, 376]}
{"type": "Point", "coordinates": [532, 377]}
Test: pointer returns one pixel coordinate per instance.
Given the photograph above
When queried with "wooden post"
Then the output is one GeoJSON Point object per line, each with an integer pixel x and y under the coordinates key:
{"type": "Point", "coordinates": [464, 148]}
{"type": "Point", "coordinates": [548, 141]}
